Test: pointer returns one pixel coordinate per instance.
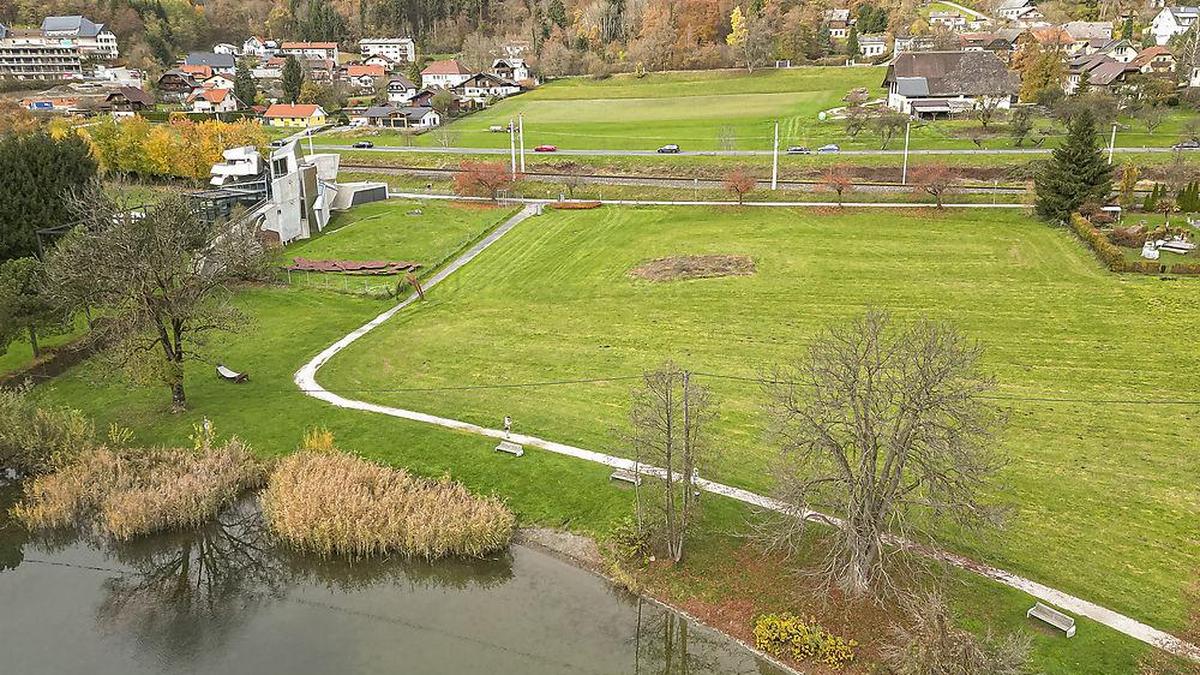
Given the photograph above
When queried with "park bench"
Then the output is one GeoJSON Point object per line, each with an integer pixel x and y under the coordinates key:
{"type": "Point", "coordinates": [1053, 617]}
{"type": "Point", "coordinates": [511, 448]}
{"type": "Point", "coordinates": [626, 476]}
{"type": "Point", "coordinates": [231, 375]}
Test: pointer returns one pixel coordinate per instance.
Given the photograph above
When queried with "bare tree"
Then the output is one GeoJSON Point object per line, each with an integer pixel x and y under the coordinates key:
{"type": "Point", "coordinates": [933, 179]}
{"type": "Point", "coordinates": [571, 179]}
{"type": "Point", "coordinates": [885, 428]}
{"type": "Point", "coordinates": [985, 110]}
{"type": "Point", "coordinates": [837, 179]}
{"type": "Point", "coordinates": [929, 643]}
{"type": "Point", "coordinates": [668, 416]}
{"type": "Point", "coordinates": [482, 179]}
{"type": "Point", "coordinates": [1151, 117]}
{"type": "Point", "coordinates": [739, 183]}
{"type": "Point", "coordinates": [445, 136]}
{"type": "Point", "coordinates": [887, 124]}
{"type": "Point", "coordinates": [161, 276]}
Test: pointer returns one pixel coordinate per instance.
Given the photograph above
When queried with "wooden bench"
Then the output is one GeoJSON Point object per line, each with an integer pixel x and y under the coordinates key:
{"type": "Point", "coordinates": [1053, 617]}
{"type": "Point", "coordinates": [626, 476]}
{"type": "Point", "coordinates": [511, 448]}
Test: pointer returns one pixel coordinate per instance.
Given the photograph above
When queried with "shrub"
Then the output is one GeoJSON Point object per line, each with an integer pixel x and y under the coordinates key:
{"type": "Point", "coordinates": [1145, 267]}
{"type": "Point", "coordinates": [34, 440]}
{"type": "Point", "coordinates": [1104, 249]}
{"type": "Point", "coordinates": [1185, 268]}
{"type": "Point", "coordinates": [127, 492]}
{"type": "Point", "coordinates": [780, 634]}
{"type": "Point", "coordinates": [332, 503]}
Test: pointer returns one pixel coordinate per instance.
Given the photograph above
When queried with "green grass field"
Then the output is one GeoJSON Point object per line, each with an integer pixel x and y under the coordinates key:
{"type": "Point", "coordinates": [1103, 508]}
{"type": "Point", "coordinates": [1102, 491]}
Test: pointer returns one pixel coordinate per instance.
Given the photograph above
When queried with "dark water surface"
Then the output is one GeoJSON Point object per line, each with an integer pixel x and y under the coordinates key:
{"type": "Point", "coordinates": [225, 599]}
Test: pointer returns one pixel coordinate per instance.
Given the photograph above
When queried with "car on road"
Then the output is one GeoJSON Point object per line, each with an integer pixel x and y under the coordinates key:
{"type": "Point", "coordinates": [798, 150]}
{"type": "Point", "coordinates": [546, 148]}
{"type": "Point", "coordinates": [669, 149]}
{"type": "Point", "coordinates": [827, 149]}
{"type": "Point", "coordinates": [364, 144]}
{"type": "Point", "coordinates": [1190, 144]}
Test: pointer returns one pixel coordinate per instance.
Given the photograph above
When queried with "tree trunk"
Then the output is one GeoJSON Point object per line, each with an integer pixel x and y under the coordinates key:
{"type": "Point", "coordinates": [37, 352]}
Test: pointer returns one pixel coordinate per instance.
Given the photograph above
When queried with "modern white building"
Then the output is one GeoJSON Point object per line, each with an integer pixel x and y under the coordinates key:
{"type": "Point", "coordinates": [399, 50]}
{"type": "Point", "coordinates": [872, 46]}
{"type": "Point", "coordinates": [92, 39]}
{"type": "Point", "coordinates": [33, 57]}
{"type": "Point", "coordinates": [1172, 21]}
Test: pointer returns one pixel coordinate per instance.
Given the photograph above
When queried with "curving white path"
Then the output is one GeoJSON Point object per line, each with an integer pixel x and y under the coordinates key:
{"type": "Point", "coordinates": [306, 379]}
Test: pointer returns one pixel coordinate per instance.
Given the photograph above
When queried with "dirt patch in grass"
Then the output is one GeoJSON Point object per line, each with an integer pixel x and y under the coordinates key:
{"type": "Point", "coordinates": [683, 267]}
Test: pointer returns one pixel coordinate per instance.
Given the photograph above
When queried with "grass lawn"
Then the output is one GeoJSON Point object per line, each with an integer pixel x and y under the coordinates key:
{"type": "Point", "coordinates": [20, 352]}
{"type": "Point", "coordinates": [1103, 492]}
{"type": "Point", "coordinates": [386, 231]}
{"type": "Point", "coordinates": [577, 261]}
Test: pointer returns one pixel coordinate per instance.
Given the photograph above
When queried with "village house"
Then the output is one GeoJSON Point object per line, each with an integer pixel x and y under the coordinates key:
{"type": "Point", "coordinates": [1098, 70]}
{"type": "Point", "coordinates": [950, 19]}
{"type": "Point", "coordinates": [1001, 42]}
{"type": "Point", "coordinates": [320, 70]}
{"type": "Point", "coordinates": [214, 101]}
{"type": "Point", "coordinates": [400, 90]}
{"type": "Point", "coordinates": [311, 51]}
{"type": "Point", "coordinates": [176, 85]}
{"type": "Point", "coordinates": [927, 84]}
{"type": "Point", "coordinates": [444, 74]}
{"type": "Point", "coordinates": [397, 50]}
{"type": "Point", "coordinates": [1172, 21]}
{"type": "Point", "coordinates": [271, 69]}
{"type": "Point", "coordinates": [382, 61]}
{"type": "Point", "coordinates": [217, 82]}
{"type": "Point", "coordinates": [838, 21]}
{"type": "Point", "coordinates": [361, 75]}
{"type": "Point", "coordinates": [1118, 50]}
{"type": "Point", "coordinates": [480, 89]}
{"type": "Point", "coordinates": [912, 43]}
{"type": "Point", "coordinates": [295, 115]}
{"type": "Point", "coordinates": [225, 48]}
{"type": "Point", "coordinates": [1155, 60]}
{"type": "Point", "coordinates": [872, 46]}
{"type": "Point", "coordinates": [221, 64]}
{"type": "Point", "coordinates": [512, 69]}
{"type": "Point", "coordinates": [126, 101]}
{"type": "Point", "coordinates": [259, 47]}
{"type": "Point", "coordinates": [402, 117]}
{"type": "Point", "coordinates": [91, 39]}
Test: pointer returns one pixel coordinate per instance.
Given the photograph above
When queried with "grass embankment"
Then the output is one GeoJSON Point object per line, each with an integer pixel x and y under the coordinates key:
{"type": "Point", "coordinates": [1102, 504]}
{"type": "Point", "coordinates": [722, 570]}
{"type": "Point", "coordinates": [332, 503]}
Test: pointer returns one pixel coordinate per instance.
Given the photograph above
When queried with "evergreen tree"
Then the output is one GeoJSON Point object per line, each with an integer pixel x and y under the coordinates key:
{"type": "Point", "coordinates": [557, 12]}
{"type": "Point", "coordinates": [1150, 203]}
{"type": "Point", "coordinates": [25, 304]}
{"type": "Point", "coordinates": [244, 87]}
{"type": "Point", "coordinates": [824, 40]}
{"type": "Point", "coordinates": [852, 43]}
{"type": "Point", "coordinates": [1076, 173]}
{"type": "Point", "coordinates": [293, 79]}
{"type": "Point", "coordinates": [1127, 29]}
{"type": "Point", "coordinates": [36, 174]}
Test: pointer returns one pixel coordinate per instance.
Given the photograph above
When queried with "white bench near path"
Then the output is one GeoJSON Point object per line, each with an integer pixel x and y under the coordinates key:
{"type": "Point", "coordinates": [306, 379]}
{"type": "Point", "coordinates": [1053, 617]}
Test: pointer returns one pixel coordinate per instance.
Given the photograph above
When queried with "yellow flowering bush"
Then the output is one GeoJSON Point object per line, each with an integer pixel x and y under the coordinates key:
{"type": "Point", "coordinates": [786, 633]}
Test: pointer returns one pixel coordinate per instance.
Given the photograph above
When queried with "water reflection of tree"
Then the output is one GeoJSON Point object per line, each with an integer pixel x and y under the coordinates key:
{"type": "Point", "coordinates": [359, 575]}
{"type": "Point", "coordinates": [664, 645]}
{"type": "Point", "coordinates": [189, 590]}
{"type": "Point", "coordinates": [13, 536]}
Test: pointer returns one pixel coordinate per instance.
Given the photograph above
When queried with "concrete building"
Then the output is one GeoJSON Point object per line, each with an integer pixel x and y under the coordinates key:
{"type": "Point", "coordinates": [34, 57]}
{"type": "Point", "coordinates": [398, 50]}
{"type": "Point", "coordinates": [92, 39]}
{"type": "Point", "coordinates": [872, 46]}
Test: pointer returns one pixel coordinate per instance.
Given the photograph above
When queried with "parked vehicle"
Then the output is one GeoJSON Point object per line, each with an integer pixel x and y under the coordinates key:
{"type": "Point", "coordinates": [278, 143]}
{"type": "Point", "coordinates": [669, 149]}
{"type": "Point", "coordinates": [546, 148]}
{"type": "Point", "coordinates": [364, 144]}
{"type": "Point", "coordinates": [1191, 144]}
{"type": "Point", "coordinates": [798, 150]}
{"type": "Point", "coordinates": [497, 128]}
{"type": "Point", "coordinates": [827, 149]}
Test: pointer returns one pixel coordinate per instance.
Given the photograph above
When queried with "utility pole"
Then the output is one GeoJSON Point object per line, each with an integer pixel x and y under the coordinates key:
{"type": "Point", "coordinates": [1112, 141]}
{"type": "Point", "coordinates": [521, 127]}
{"type": "Point", "coordinates": [512, 147]}
{"type": "Point", "coordinates": [904, 171]}
{"type": "Point", "coordinates": [775, 159]}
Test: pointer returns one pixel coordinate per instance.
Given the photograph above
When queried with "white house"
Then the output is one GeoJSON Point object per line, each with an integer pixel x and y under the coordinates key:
{"type": "Point", "coordinates": [838, 21]}
{"type": "Point", "coordinates": [263, 48]}
{"type": "Point", "coordinates": [219, 63]}
{"type": "Point", "coordinates": [511, 69]}
{"type": "Point", "coordinates": [91, 39]}
{"type": "Point", "coordinates": [1172, 21]}
{"type": "Point", "coordinates": [217, 82]}
{"type": "Point", "coordinates": [1011, 10]}
{"type": "Point", "coordinates": [484, 87]}
{"type": "Point", "coordinates": [399, 50]}
{"type": "Point", "coordinates": [311, 51]}
{"type": "Point", "coordinates": [397, 117]}
{"type": "Point", "coordinates": [951, 19]}
{"type": "Point", "coordinates": [225, 48]}
{"type": "Point", "coordinates": [912, 43]}
{"type": "Point", "coordinates": [871, 46]}
{"type": "Point", "coordinates": [213, 101]}
{"type": "Point", "coordinates": [444, 74]}
{"type": "Point", "coordinates": [400, 90]}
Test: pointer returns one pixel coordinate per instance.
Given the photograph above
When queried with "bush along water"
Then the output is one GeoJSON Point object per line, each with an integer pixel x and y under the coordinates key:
{"type": "Point", "coordinates": [788, 635]}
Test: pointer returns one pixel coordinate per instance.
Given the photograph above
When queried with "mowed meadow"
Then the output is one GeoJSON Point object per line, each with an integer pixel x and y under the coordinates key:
{"type": "Point", "coordinates": [1094, 370]}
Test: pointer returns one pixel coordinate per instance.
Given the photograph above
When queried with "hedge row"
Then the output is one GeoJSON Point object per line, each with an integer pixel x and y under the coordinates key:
{"type": "Point", "coordinates": [1114, 258]}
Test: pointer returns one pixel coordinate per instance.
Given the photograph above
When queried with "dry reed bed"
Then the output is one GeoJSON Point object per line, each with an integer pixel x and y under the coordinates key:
{"type": "Point", "coordinates": [128, 492]}
{"type": "Point", "coordinates": [332, 503]}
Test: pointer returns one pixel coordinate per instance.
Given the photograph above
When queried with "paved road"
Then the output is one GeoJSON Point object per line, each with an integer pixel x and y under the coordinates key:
{"type": "Point", "coordinates": [723, 153]}
{"type": "Point", "coordinates": [710, 202]}
{"type": "Point", "coordinates": [306, 379]}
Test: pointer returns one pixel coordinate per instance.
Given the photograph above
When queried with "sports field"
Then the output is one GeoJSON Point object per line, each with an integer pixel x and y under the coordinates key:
{"type": "Point", "coordinates": [1096, 370]}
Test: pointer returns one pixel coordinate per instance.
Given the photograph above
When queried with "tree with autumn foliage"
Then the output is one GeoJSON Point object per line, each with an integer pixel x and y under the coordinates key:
{"type": "Point", "coordinates": [932, 179]}
{"type": "Point", "coordinates": [739, 183]}
{"type": "Point", "coordinates": [482, 179]}
{"type": "Point", "coordinates": [837, 179]}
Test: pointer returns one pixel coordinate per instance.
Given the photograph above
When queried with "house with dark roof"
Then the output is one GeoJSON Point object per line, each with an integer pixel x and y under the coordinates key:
{"type": "Point", "coordinates": [126, 101]}
{"type": "Point", "coordinates": [176, 85]}
{"type": "Point", "coordinates": [223, 64]}
{"type": "Point", "coordinates": [1098, 70]}
{"type": "Point", "coordinates": [400, 89]}
{"type": "Point", "coordinates": [92, 39]}
{"type": "Point", "coordinates": [481, 88]}
{"type": "Point", "coordinates": [402, 117]}
{"type": "Point", "coordinates": [927, 84]}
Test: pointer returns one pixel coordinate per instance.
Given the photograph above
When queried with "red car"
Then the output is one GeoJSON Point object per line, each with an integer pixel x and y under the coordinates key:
{"type": "Point", "coordinates": [546, 148]}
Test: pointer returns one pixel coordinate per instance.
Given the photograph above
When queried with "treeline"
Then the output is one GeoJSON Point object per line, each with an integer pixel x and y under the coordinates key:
{"type": "Point", "coordinates": [182, 149]}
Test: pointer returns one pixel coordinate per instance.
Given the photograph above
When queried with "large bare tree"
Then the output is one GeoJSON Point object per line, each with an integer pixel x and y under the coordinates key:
{"type": "Point", "coordinates": [668, 416]}
{"type": "Point", "coordinates": [886, 428]}
{"type": "Point", "coordinates": [161, 276]}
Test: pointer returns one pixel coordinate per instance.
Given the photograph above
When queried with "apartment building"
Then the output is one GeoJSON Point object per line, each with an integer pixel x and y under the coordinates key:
{"type": "Point", "coordinates": [399, 50]}
{"type": "Point", "coordinates": [33, 57]}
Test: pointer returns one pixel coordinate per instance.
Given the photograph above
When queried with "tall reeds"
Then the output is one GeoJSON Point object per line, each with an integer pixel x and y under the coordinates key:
{"type": "Point", "coordinates": [336, 504]}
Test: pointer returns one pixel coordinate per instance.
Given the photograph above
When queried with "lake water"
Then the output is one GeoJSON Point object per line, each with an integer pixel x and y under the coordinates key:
{"type": "Point", "coordinates": [225, 599]}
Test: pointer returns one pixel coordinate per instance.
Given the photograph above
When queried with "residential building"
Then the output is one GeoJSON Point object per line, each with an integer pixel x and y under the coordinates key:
{"type": "Point", "coordinates": [1010, 10]}
{"type": "Point", "coordinates": [927, 84]}
{"type": "Point", "coordinates": [872, 46]}
{"type": "Point", "coordinates": [213, 101]}
{"type": "Point", "coordinates": [838, 21]}
{"type": "Point", "coordinates": [217, 82]}
{"type": "Point", "coordinates": [1098, 70]}
{"type": "Point", "coordinates": [295, 115]}
{"type": "Point", "coordinates": [320, 70]}
{"type": "Point", "coordinates": [950, 19]}
{"type": "Point", "coordinates": [271, 69]}
{"type": "Point", "coordinates": [406, 117]}
{"type": "Point", "coordinates": [912, 43]}
{"type": "Point", "coordinates": [127, 101]}
{"type": "Point", "coordinates": [259, 47]}
{"type": "Point", "coordinates": [1172, 21]}
{"type": "Point", "coordinates": [120, 76]}
{"type": "Point", "coordinates": [381, 61]}
{"type": "Point", "coordinates": [198, 73]}
{"type": "Point", "coordinates": [221, 64]}
{"type": "Point", "coordinates": [483, 88]}
{"type": "Point", "coordinates": [444, 74]}
{"type": "Point", "coordinates": [512, 69]}
{"type": "Point", "coordinates": [92, 39]}
{"type": "Point", "coordinates": [399, 50]}
{"type": "Point", "coordinates": [400, 90]}
{"type": "Point", "coordinates": [311, 51]}
{"type": "Point", "coordinates": [362, 75]}
{"type": "Point", "coordinates": [34, 57]}
{"type": "Point", "coordinates": [226, 48]}
{"type": "Point", "coordinates": [176, 85]}
{"type": "Point", "coordinates": [1157, 60]}
{"type": "Point", "coordinates": [1118, 50]}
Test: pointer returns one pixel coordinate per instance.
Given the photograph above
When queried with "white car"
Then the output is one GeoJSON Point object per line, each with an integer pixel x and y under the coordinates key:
{"type": "Point", "coordinates": [828, 149]}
